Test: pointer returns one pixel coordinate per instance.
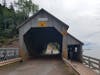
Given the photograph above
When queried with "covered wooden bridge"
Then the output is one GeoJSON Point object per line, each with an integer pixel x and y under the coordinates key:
{"type": "Point", "coordinates": [43, 28]}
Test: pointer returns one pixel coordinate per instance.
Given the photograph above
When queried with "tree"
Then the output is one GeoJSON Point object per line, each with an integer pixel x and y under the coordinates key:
{"type": "Point", "coordinates": [7, 21]}
{"type": "Point", "coordinates": [26, 7]}
{"type": "Point", "coordinates": [11, 7]}
{"type": "Point", "coordinates": [10, 18]}
{"type": "Point", "coordinates": [4, 3]}
{"type": "Point", "coordinates": [55, 45]}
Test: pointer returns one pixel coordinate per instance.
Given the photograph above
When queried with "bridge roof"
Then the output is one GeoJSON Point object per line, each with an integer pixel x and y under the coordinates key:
{"type": "Point", "coordinates": [37, 14]}
{"type": "Point", "coordinates": [74, 38]}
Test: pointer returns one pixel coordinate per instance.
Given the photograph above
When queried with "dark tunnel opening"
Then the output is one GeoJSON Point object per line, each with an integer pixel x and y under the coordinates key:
{"type": "Point", "coordinates": [74, 52]}
{"type": "Point", "coordinates": [37, 39]}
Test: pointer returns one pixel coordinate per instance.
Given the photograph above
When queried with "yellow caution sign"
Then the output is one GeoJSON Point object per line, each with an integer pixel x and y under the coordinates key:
{"type": "Point", "coordinates": [42, 24]}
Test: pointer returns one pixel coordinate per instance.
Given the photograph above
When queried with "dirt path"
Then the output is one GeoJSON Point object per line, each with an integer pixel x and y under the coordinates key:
{"type": "Point", "coordinates": [37, 67]}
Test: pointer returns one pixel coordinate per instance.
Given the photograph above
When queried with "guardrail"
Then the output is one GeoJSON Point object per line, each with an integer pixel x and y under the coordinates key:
{"type": "Point", "coordinates": [8, 53]}
{"type": "Point", "coordinates": [91, 62]}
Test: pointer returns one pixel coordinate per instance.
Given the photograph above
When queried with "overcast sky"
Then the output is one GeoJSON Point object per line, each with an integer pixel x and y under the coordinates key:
{"type": "Point", "coordinates": [82, 16]}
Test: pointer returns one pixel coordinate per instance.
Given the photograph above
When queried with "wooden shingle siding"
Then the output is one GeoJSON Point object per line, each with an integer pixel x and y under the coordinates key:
{"type": "Point", "coordinates": [71, 40]}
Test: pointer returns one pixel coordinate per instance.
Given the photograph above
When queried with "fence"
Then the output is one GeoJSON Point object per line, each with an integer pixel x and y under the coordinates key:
{"type": "Point", "coordinates": [8, 53]}
{"type": "Point", "coordinates": [91, 62]}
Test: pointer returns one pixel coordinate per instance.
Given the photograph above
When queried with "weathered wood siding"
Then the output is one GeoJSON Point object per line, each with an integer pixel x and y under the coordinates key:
{"type": "Point", "coordinates": [52, 22]}
{"type": "Point", "coordinates": [72, 41]}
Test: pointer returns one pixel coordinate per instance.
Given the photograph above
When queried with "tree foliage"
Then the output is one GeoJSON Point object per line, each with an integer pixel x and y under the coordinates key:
{"type": "Point", "coordinates": [26, 7]}
{"type": "Point", "coordinates": [10, 18]}
{"type": "Point", "coordinates": [55, 45]}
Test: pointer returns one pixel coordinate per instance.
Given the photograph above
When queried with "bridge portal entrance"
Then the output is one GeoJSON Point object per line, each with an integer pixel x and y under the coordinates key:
{"type": "Point", "coordinates": [74, 52]}
{"type": "Point", "coordinates": [38, 31]}
{"type": "Point", "coordinates": [37, 39]}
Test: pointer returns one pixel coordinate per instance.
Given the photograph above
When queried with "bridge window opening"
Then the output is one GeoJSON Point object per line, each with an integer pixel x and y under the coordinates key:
{"type": "Point", "coordinates": [74, 52]}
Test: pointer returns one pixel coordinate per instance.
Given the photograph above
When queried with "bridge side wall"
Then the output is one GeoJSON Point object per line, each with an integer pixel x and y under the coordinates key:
{"type": "Point", "coordinates": [51, 22]}
{"type": "Point", "coordinates": [71, 41]}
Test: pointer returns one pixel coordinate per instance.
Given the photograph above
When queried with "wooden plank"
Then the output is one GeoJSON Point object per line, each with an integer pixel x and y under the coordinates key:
{"type": "Point", "coordinates": [94, 62]}
{"type": "Point", "coordinates": [91, 62]}
{"type": "Point", "coordinates": [91, 58]}
{"type": "Point", "coordinates": [94, 67]}
{"type": "Point", "coordinates": [10, 61]}
{"type": "Point", "coordinates": [86, 63]}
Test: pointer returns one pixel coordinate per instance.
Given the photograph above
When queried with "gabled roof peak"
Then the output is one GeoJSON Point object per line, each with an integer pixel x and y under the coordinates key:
{"type": "Point", "coordinates": [42, 9]}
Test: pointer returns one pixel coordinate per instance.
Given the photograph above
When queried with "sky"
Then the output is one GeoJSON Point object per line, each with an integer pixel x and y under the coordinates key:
{"type": "Point", "coordinates": [82, 16]}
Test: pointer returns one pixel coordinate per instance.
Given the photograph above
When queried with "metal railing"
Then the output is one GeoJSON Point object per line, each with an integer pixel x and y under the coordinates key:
{"type": "Point", "coordinates": [91, 62]}
{"type": "Point", "coordinates": [8, 53]}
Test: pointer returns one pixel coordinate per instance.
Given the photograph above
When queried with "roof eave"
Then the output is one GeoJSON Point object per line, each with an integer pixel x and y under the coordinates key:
{"type": "Point", "coordinates": [76, 39]}
{"type": "Point", "coordinates": [36, 14]}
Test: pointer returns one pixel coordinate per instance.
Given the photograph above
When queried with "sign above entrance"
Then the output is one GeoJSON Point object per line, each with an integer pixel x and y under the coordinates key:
{"type": "Point", "coordinates": [42, 24]}
{"type": "Point", "coordinates": [42, 19]}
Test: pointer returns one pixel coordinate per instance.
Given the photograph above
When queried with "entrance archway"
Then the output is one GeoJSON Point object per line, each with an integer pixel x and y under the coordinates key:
{"type": "Point", "coordinates": [37, 39]}
{"type": "Point", "coordinates": [39, 30]}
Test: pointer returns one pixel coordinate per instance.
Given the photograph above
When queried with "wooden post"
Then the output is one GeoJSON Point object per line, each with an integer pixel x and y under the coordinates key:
{"type": "Point", "coordinates": [92, 62]}
{"type": "Point", "coordinates": [89, 62]}
{"type": "Point", "coordinates": [64, 46]}
{"type": "Point", "coordinates": [99, 66]}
